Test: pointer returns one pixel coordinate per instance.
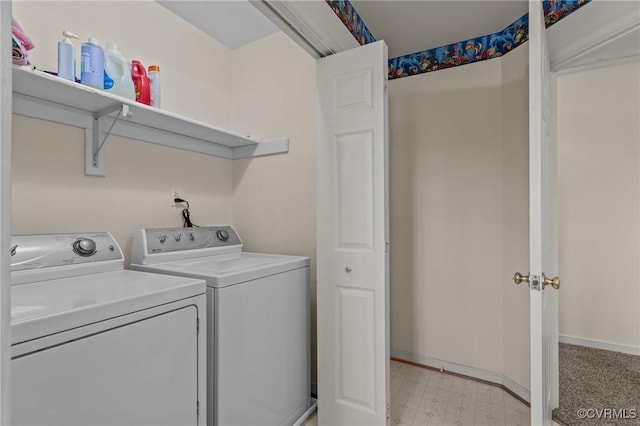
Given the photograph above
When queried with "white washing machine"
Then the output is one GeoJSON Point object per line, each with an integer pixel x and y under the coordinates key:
{"type": "Point", "coordinates": [258, 321]}
{"type": "Point", "coordinates": [94, 344]}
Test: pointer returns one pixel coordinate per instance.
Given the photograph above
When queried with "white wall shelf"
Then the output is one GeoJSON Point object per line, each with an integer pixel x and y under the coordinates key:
{"type": "Point", "coordinates": [44, 96]}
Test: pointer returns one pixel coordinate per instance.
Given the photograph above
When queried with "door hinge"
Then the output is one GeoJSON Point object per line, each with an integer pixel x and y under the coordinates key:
{"type": "Point", "coordinates": [386, 247]}
{"type": "Point", "coordinates": [198, 325]}
{"type": "Point", "coordinates": [198, 408]}
{"type": "Point", "coordinates": [386, 84]}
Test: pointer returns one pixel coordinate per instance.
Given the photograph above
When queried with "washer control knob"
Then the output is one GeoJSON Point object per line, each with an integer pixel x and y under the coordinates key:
{"type": "Point", "coordinates": [162, 238]}
{"type": "Point", "coordinates": [178, 237]}
{"type": "Point", "coordinates": [191, 236]}
{"type": "Point", "coordinates": [222, 234]}
{"type": "Point", "coordinates": [84, 247]}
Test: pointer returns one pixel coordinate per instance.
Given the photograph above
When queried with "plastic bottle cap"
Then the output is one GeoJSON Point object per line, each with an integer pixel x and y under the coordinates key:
{"type": "Point", "coordinates": [68, 34]}
{"type": "Point", "coordinates": [154, 68]}
{"type": "Point", "coordinates": [112, 46]}
{"type": "Point", "coordinates": [93, 41]}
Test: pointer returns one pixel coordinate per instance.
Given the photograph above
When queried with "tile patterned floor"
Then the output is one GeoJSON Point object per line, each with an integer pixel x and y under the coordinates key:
{"type": "Point", "coordinates": [421, 397]}
{"type": "Point", "coordinates": [425, 397]}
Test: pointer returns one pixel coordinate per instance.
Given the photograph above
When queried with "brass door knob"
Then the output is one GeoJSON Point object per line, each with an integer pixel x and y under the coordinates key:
{"type": "Point", "coordinates": [553, 282]}
{"type": "Point", "coordinates": [518, 278]}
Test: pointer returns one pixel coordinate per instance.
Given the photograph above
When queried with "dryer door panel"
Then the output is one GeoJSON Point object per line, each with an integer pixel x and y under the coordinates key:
{"type": "Point", "coordinates": [141, 373]}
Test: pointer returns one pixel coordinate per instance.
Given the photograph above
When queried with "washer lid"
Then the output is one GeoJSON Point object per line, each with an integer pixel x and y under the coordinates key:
{"type": "Point", "coordinates": [46, 307]}
{"type": "Point", "coordinates": [229, 269]}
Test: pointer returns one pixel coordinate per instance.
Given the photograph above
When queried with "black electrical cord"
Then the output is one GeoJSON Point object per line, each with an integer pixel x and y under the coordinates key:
{"type": "Point", "coordinates": [186, 215]}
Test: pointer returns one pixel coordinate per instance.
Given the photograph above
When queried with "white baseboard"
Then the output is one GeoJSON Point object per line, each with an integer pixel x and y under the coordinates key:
{"type": "Point", "coordinates": [476, 373]}
{"type": "Point", "coordinates": [313, 406]}
{"type": "Point", "coordinates": [516, 388]}
{"type": "Point", "coordinates": [599, 344]}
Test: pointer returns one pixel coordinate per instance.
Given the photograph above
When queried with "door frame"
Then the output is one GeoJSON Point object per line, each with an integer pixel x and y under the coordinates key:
{"type": "Point", "coordinates": [6, 64]}
{"type": "Point", "coordinates": [543, 230]}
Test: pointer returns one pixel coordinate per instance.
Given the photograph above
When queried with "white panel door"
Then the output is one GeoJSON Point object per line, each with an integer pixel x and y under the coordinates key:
{"type": "Point", "coordinates": [543, 223]}
{"type": "Point", "coordinates": [352, 243]}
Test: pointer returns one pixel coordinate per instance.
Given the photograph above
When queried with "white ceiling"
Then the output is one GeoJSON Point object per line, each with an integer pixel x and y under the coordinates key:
{"type": "Point", "coordinates": [413, 26]}
{"type": "Point", "coordinates": [233, 23]}
{"type": "Point", "coordinates": [406, 26]}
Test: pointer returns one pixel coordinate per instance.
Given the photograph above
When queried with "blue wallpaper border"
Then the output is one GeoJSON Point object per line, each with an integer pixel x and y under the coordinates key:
{"type": "Point", "coordinates": [555, 10]}
{"type": "Point", "coordinates": [456, 54]}
{"type": "Point", "coordinates": [461, 53]}
{"type": "Point", "coordinates": [352, 20]}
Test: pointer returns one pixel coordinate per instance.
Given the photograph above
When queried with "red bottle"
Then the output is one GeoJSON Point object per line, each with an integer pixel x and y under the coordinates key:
{"type": "Point", "coordinates": [141, 82]}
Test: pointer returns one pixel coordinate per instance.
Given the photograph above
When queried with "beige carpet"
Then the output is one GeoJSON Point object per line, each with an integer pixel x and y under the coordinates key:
{"type": "Point", "coordinates": [593, 381]}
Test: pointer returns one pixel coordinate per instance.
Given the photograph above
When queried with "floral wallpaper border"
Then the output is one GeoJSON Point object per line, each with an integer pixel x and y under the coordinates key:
{"type": "Point", "coordinates": [350, 18]}
{"type": "Point", "coordinates": [456, 54]}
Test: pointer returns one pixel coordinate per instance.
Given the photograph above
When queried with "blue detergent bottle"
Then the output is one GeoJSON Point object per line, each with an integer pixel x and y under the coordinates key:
{"type": "Point", "coordinates": [92, 64]}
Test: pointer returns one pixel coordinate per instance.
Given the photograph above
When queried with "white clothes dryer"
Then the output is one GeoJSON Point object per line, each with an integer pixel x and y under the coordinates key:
{"type": "Point", "coordinates": [94, 344]}
{"type": "Point", "coordinates": [258, 327]}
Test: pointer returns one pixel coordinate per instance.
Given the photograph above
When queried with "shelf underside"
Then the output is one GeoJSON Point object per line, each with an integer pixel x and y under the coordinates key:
{"type": "Point", "coordinates": [39, 95]}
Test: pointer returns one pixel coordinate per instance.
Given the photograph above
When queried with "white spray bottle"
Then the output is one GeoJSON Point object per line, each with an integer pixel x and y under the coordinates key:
{"type": "Point", "coordinates": [67, 57]}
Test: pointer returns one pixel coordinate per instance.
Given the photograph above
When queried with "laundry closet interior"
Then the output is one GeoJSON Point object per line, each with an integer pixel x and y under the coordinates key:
{"type": "Point", "coordinates": [243, 90]}
{"type": "Point", "coordinates": [459, 181]}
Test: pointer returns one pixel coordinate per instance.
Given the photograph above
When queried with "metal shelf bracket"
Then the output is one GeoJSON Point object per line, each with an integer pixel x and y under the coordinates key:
{"type": "Point", "coordinates": [94, 156]}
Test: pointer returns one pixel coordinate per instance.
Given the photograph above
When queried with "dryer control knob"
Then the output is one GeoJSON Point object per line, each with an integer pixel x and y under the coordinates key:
{"type": "Point", "coordinates": [222, 234]}
{"type": "Point", "coordinates": [84, 247]}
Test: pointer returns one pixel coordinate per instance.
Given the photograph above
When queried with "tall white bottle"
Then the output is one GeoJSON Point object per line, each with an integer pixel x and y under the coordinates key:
{"type": "Point", "coordinates": [67, 57]}
{"type": "Point", "coordinates": [154, 85]}
{"type": "Point", "coordinates": [117, 73]}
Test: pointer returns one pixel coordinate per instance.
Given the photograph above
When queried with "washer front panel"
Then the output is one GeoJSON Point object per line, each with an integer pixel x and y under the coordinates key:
{"type": "Point", "coordinates": [147, 365]}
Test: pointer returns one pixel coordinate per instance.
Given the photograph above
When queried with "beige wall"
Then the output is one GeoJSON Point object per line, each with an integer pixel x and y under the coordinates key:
{"type": "Point", "coordinates": [515, 213]}
{"type": "Point", "coordinates": [266, 88]}
{"type": "Point", "coordinates": [459, 186]}
{"type": "Point", "coordinates": [446, 227]}
{"type": "Point", "coordinates": [446, 215]}
{"type": "Point", "coordinates": [457, 143]}
{"type": "Point", "coordinates": [51, 192]}
{"type": "Point", "coordinates": [599, 203]}
{"type": "Point", "coordinates": [195, 69]}
{"type": "Point", "coordinates": [273, 90]}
